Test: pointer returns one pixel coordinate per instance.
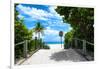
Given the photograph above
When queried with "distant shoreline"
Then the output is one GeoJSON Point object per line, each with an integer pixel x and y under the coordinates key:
{"type": "Point", "coordinates": [54, 43]}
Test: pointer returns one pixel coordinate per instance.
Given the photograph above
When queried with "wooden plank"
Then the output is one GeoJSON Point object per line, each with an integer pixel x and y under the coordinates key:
{"type": "Point", "coordinates": [89, 43]}
{"type": "Point", "coordinates": [20, 43]}
{"type": "Point", "coordinates": [84, 47]}
{"type": "Point", "coordinates": [25, 49]}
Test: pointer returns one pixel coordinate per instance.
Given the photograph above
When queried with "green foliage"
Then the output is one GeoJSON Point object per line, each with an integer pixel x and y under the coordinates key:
{"type": "Point", "coordinates": [46, 47]}
{"type": "Point", "coordinates": [43, 45]}
{"type": "Point", "coordinates": [38, 29]}
{"type": "Point", "coordinates": [31, 46]}
{"type": "Point", "coordinates": [68, 38]}
{"type": "Point", "coordinates": [22, 33]}
{"type": "Point", "coordinates": [19, 51]}
{"type": "Point", "coordinates": [80, 19]}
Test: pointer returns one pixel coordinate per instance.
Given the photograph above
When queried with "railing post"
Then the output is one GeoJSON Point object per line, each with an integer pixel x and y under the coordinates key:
{"type": "Point", "coordinates": [76, 43]}
{"type": "Point", "coordinates": [25, 49]}
{"type": "Point", "coordinates": [84, 47]}
{"type": "Point", "coordinates": [35, 42]}
{"type": "Point", "coordinates": [68, 45]}
{"type": "Point", "coordinates": [71, 43]}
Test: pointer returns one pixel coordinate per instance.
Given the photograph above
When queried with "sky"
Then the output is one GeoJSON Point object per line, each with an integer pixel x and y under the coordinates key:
{"type": "Point", "coordinates": [47, 16]}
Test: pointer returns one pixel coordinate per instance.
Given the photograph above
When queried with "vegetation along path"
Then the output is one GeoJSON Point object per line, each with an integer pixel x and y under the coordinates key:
{"type": "Point", "coordinates": [44, 56]}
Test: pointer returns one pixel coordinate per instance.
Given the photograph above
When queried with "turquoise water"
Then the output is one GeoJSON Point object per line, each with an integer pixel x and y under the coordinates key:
{"type": "Point", "coordinates": [54, 42]}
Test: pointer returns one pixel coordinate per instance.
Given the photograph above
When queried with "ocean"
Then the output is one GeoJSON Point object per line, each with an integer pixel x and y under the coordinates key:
{"type": "Point", "coordinates": [54, 42]}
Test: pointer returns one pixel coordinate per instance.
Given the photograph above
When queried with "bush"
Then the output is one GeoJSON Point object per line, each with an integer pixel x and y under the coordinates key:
{"type": "Point", "coordinates": [68, 39]}
{"type": "Point", "coordinates": [31, 45]}
{"type": "Point", "coordinates": [19, 51]}
{"type": "Point", "coordinates": [46, 47]}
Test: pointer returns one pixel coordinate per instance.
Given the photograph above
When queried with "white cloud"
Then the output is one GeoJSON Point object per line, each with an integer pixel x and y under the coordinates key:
{"type": "Point", "coordinates": [50, 31]}
{"type": "Point", "coordinates": [39, 14]}
{"type": "Point", "coordinates": [20, 16]}
{"type": "Point", "coordinates": [49, 35]}
{"type": "Point", "coordinates": [33, 12]}
{"type": "Point", "coordinates": [52, 35]}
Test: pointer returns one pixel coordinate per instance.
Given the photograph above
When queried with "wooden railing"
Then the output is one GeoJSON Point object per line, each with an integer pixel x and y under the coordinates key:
{"type": "Point", "coordinates": [84, 47]}
{"type": "Point", "coordinates": [25, 45]}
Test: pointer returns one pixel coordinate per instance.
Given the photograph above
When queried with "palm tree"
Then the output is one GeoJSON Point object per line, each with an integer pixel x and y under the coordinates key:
{"type": "Point", "coordinates": [38, 29]}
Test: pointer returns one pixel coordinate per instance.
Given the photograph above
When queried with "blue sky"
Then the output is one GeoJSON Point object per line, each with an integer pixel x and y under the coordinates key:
{"type": "Point", "coordinates": [47, 16]}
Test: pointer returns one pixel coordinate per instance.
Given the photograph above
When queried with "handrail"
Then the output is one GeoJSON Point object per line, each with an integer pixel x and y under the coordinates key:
{"type": "Point", "coordinates": [25, 48]}
{"type": "Point", "coordinates": [89, 43]}
{"type": "Point", "coordinates": [85, 40]}
{"type": "Point", "coordinates": [84, 50]}
{"type": "Point", "coordinates": [19, 43]}
{"type": "Point", "coordinates": [78, 39]}
{"type": "Point", "coordinates": [22, 42]}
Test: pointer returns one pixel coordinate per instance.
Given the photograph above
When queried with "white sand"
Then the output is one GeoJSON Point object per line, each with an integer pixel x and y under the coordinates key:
{"type": "Point", "coordinates": [56, 46]}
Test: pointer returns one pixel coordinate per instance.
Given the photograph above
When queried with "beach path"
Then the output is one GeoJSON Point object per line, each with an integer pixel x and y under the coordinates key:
{"type": "Point", "coordinates": [53, 56]}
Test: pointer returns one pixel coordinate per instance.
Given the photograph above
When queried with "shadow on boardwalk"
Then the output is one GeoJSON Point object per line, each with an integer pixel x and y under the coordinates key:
{"type": "Point", "coordinates": [67, 55]}
{"type": "Point", "coordinates": [54, 56]}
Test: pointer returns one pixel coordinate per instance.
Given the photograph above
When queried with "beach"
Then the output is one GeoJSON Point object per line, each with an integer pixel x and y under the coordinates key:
{"type": "Point", "coordinates": [56, 46]}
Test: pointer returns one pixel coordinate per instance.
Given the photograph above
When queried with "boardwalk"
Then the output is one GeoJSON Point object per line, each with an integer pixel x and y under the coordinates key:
{"type": "Point", "coordinates": [54, 56]}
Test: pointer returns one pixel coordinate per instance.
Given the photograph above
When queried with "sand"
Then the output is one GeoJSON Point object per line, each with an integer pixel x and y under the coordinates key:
{"type": "Point", "coordinates": [56, 46]}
